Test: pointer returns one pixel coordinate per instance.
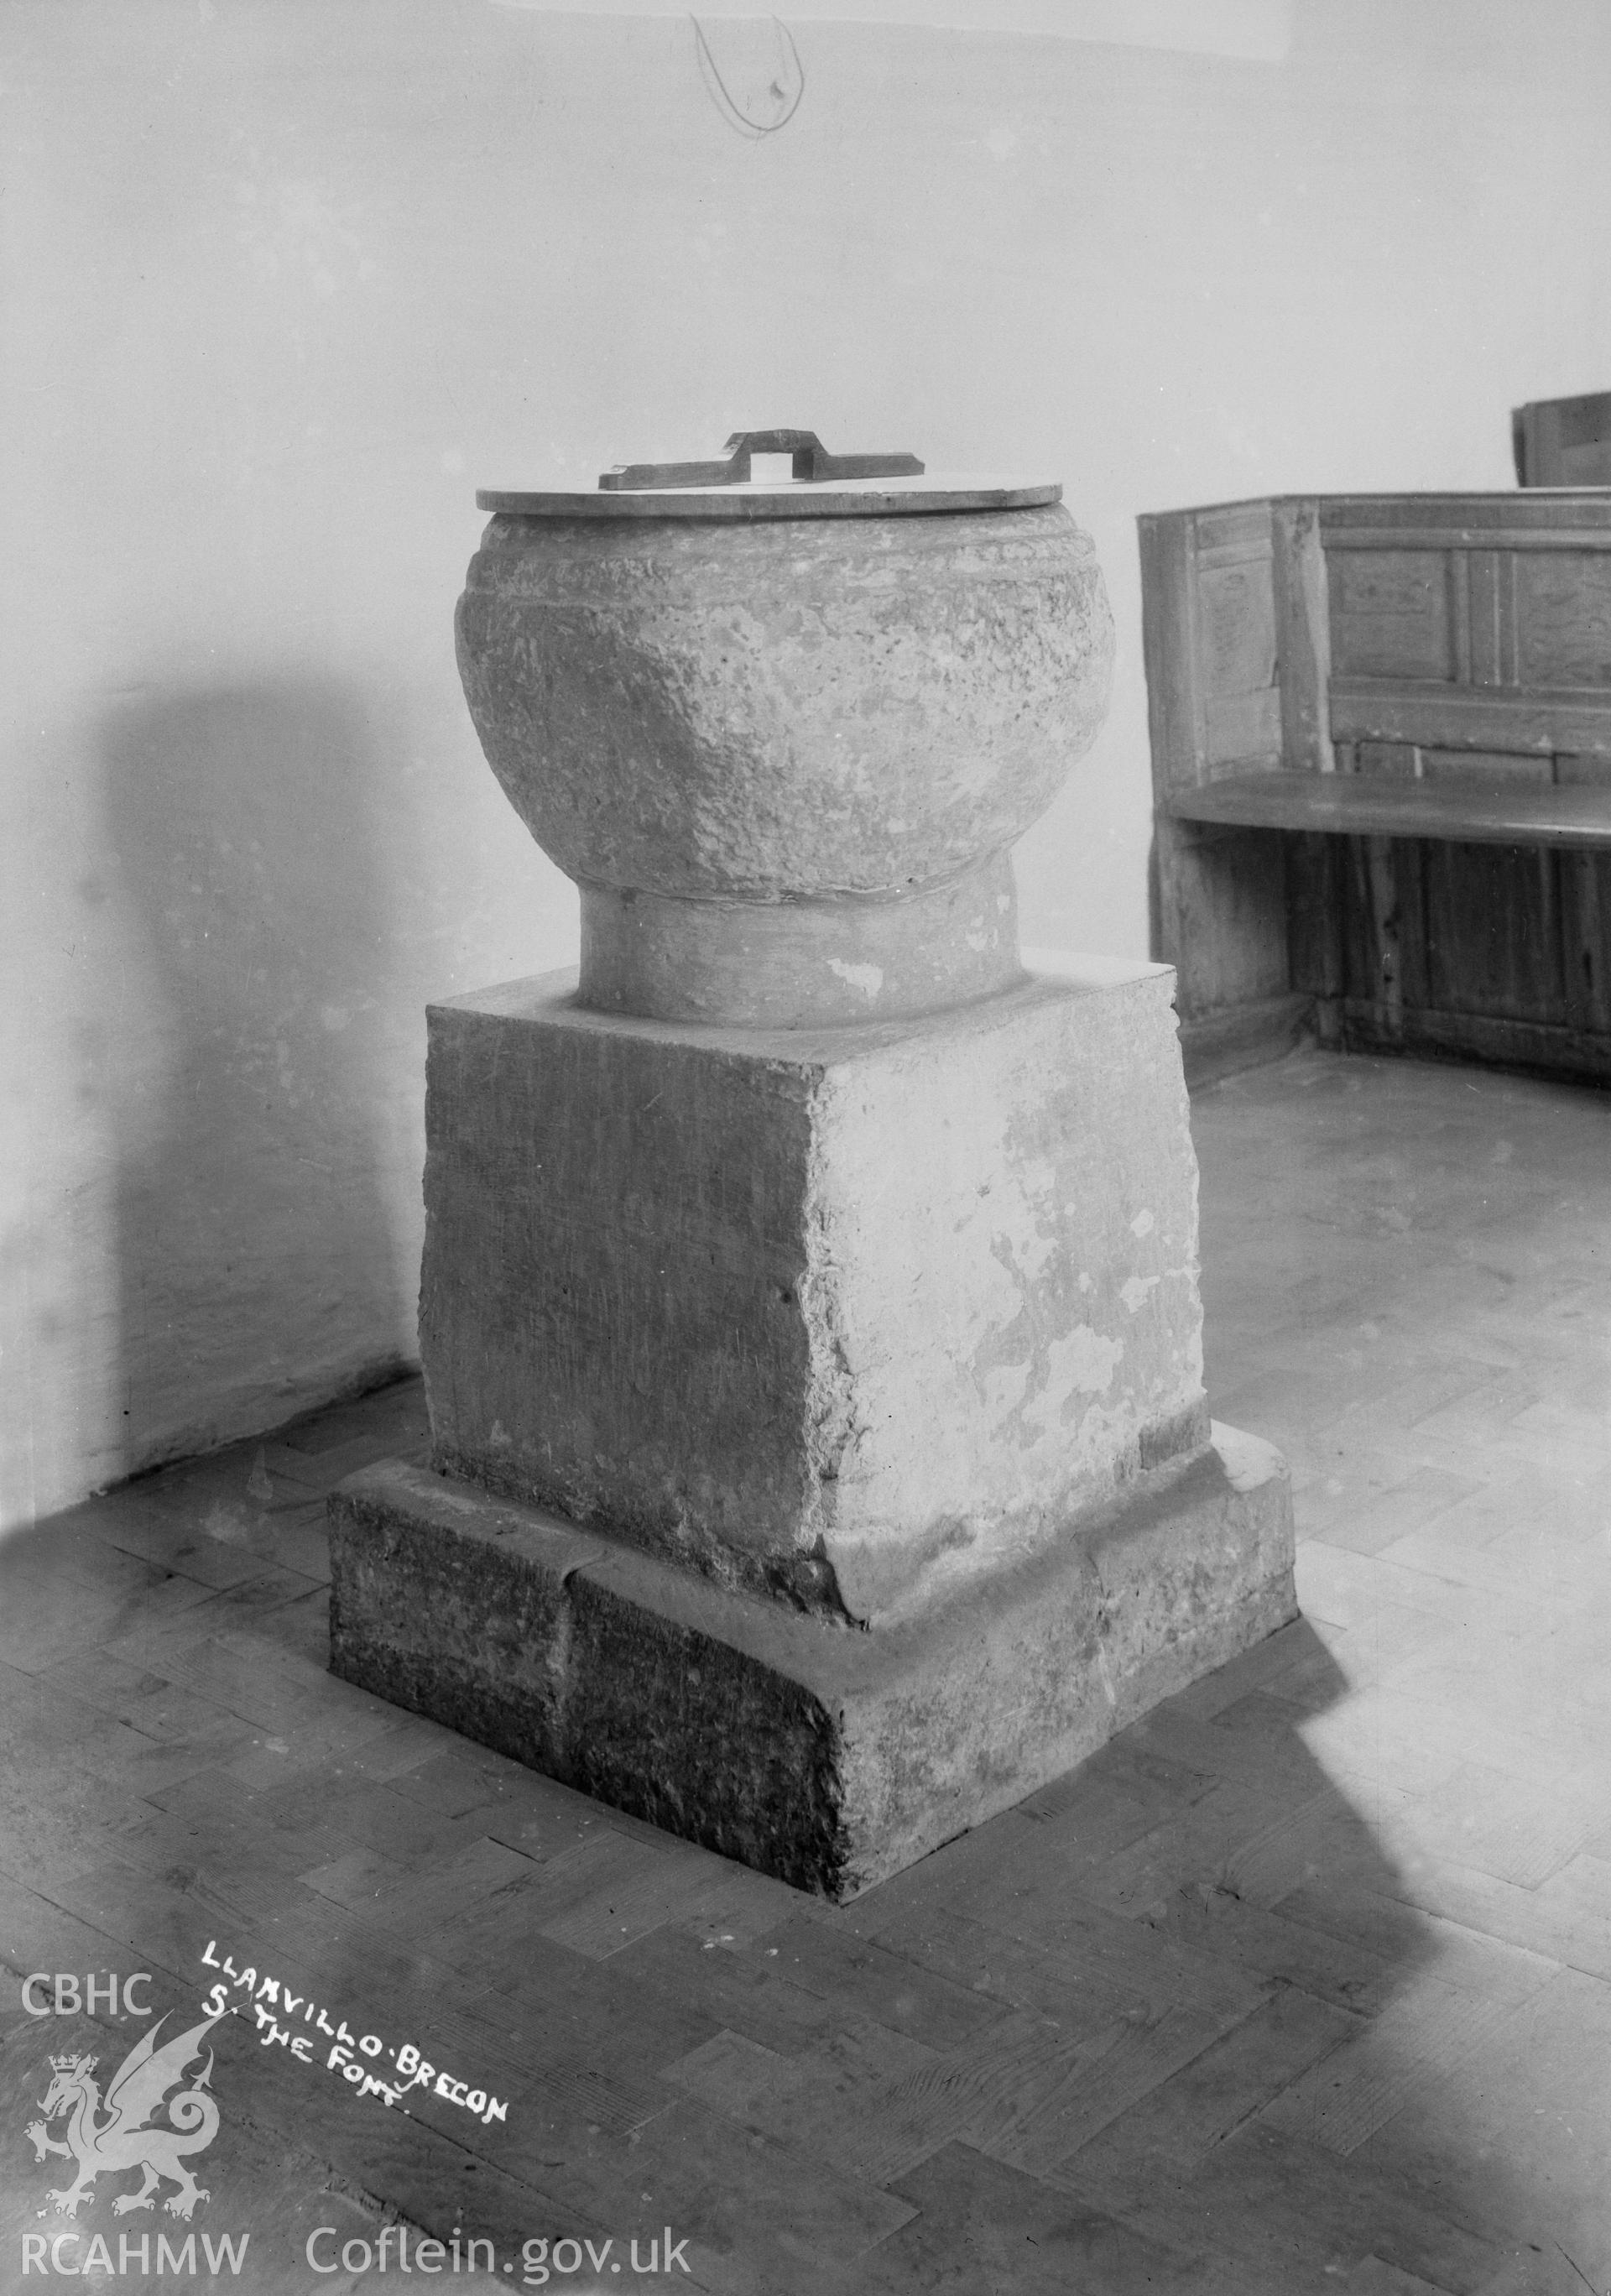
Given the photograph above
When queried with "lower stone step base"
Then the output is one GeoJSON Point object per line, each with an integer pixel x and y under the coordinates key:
{"type": "Point", "coordinates": [827, 1756]}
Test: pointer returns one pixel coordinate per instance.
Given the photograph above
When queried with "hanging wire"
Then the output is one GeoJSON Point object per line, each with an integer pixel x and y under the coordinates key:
{"type": "Point", "coordinates": [741, 119]}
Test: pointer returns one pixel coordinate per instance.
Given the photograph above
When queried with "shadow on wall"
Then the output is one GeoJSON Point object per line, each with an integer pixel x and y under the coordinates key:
{"type": "Point", "coordinates": [264, 1129]}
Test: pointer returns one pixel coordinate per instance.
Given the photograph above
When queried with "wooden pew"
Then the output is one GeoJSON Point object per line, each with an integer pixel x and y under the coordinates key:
{"type": "Point", "coordinates": [1381, 757]}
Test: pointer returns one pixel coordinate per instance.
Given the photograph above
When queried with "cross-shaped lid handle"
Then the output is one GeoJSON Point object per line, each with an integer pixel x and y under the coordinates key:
{"type": "Point", "coordinates": [811, 461]}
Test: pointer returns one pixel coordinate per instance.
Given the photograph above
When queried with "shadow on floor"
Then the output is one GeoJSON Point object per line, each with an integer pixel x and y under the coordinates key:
{"type": "Point", "coordinates": [1168, 2025]}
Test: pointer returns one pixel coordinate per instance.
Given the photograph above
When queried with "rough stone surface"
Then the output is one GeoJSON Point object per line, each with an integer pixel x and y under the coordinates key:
{"type": "Point", "coordinates": [797, 964]}
{"type": "Point", "coordinates": [842, 1315]}
{"type": "Point", "coordinates": [783, 710]}
{"type": "Point", "coordinates": [827, 1756]}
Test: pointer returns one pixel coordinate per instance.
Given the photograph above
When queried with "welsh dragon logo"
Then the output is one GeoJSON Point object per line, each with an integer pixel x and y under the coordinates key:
{"type": "Point", "coordinates": [123, 2140]}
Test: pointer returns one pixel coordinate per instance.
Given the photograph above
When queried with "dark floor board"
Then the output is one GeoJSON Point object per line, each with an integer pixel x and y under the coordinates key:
{"type": "Point", "coordinates": [329, 1718]}
{"type": "Point", "coordinates": [170, 1917]}
{"type": "Point", "coordinates": [1230, 2080]}
{"type": "Point", "coordinates": [830, 2101]}
{"type": "Point", "coordinates": [1128, 1955]}
{"type": "Point", "coordinates": [1240, 1837]}
{"type": "Point", "coordinates": [944, 1876]}
{"type": "Point", "coordinates": [43, 1841]}
{"type": "Point", "coordinates": [437, 2171]}
{"type": "Point", "coordinates": [734, 1991]}
{"type": "Point", "coordinates": [1274, 2202]}
{"type": "Point", "coordinates": [481, 1935]}
{"type": "Point", "coordinates": [1213, 1919]}
{"type": "Point", "coordinates": [37, 1933]}
{"type": "Point", "coordinates": [1360, 2086]}
{"type": "Point", "coordinates": [300, 1542]}
{"type": "Point", "coordinates": [560, 2002]}
{"type": "Point", "coordinates": [1105, 2079]}
{"type": "Point", "coordinates": [885, 1986]}
{"type": "Point", "coordinates": [1064, 1987]}
{"type": "Point", "coordinates": [890, 2119]}
{"type": "Point", "coordinates": [751, 2210]}
{"type": "Point", "coordinates": [425, 1901]}
{"type": "Point", "coordinates": [375, 1818]}
{"type": "Point", "coordinates": [1270, 1665]}
{"type": "Point", "coordinates": [48, 1619]}
{"type": "Point", "coordinates": [1254, 1741]}
{"type": "Point", "coordinates": [609, 1891]}
{"type": "Point", "coordinates": [983, 2226]}
{"type": "Point", "coordinates": [1119, 1794]}
{"type": "Point", "coordinates": [459, 1776]}
{"type": "Point", "coordinates": [733, 1906]}
{"type": "Point", "coordinates": [87, 1560]}
{"type": "Point", "coordinates": [49, 1735]}
{"type": "Point", "coordinates": [224, 1841]}
{"type": "Point", "coordinates": [1408, 1940]}
{"type": "Point", "coordinates": [177, 1543]}
{"type": "Point", "coordinates": [160, 1711]}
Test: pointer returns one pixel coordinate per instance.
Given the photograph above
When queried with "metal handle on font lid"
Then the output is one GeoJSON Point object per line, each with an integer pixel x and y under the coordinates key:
{"type": "Point", "coordinates": [811, 461]}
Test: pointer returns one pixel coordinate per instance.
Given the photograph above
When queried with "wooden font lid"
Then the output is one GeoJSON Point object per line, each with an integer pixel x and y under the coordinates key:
{"type": "Point", "coordinates": [822, 485]}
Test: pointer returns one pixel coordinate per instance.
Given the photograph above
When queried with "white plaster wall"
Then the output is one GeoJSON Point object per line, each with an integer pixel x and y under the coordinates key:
{"type": "Point", "coordinates": [286, 279]}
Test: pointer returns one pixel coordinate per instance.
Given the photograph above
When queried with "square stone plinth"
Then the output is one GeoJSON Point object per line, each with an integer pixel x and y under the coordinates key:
{"type": "Point", "coordinates": [848, 1316]}
{"type": "Point", "coordinates": [823, 1754]}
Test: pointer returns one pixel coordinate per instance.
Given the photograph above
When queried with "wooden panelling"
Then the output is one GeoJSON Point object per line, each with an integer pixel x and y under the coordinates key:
{"type": "Point", "coordinates": [1314, 945]}
{"type": "Point", "coordinates": [1390, 615]}
{"type": "Point", "coordinates": [1394, 761]}
{"type": "Point", "coordinates": [1536, 1047]}
{"type": "Point", "coordinates": [1226, 531]}
{"type": "Point", "coordinates": [1233, 608]}
{"type": "Point", "coordinates": [1403, 761]}
{"type": "Point", "coordinates": [1209, 636]}
{"type": "Point", "coordinates": [1239, 728]}
{"type": "Point", "coordinates": [1575, 521]}
{"type": "Point", "coordinates": [1487, 769]}
{"type": "Point", "coordinates": [1469, 718]}
{"type": "Point", "coordinates": [1221, 915]}
{"type": "Point", "coordinates": [1303, 635]}
{"type": "Point", "coordinates": [1585, 905]}
{"type": "Point", "coordinates": [1564, 619]}
{"type": "Point", "coordinates": [1173, 710]}
{"type": "Point", "coordinates": [1487, 590]}
{"type": "Point", "coordinates": [1235, 619]}
{"type": "Point", "coordinates": [1586, 771]}
{"type": "Point", "coordinates": [1493, 949]}
{"type": "Point", "coordinates": [1428, 678]}
{"type": "Point", "coordinates": [1491, 922]}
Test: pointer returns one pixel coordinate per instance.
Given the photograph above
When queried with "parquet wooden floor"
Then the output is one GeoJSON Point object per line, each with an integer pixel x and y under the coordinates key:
{"type": "Point", "coordinates": [1303, 1984]}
